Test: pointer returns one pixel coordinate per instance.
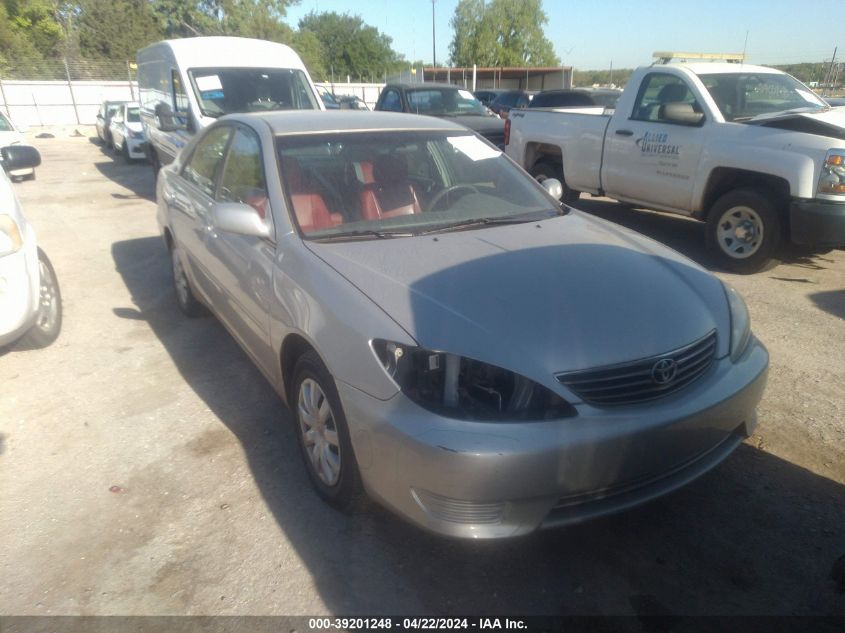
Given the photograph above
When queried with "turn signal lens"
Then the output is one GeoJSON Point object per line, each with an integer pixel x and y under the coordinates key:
{"type": "Point", "coordinates": [832, 178]}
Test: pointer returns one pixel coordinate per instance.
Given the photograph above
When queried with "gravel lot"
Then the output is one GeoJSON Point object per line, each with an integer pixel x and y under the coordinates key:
{"type": "Point", "coordinates": [146, 467]}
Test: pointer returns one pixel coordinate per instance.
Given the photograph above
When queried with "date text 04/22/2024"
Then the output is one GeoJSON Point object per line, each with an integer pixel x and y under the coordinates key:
{"type": "Point", "coordinates": [423, 623]}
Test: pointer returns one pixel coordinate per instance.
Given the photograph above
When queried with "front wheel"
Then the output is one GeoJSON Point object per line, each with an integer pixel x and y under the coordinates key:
{"type": "Point", "coordinates": [743, 231]}
{"type": "Point", "coordinates": [48, 322]}
{"type": "Point", "coordinates": [545, 169]}
{"type": "Point", "coordinates": [324, 435]}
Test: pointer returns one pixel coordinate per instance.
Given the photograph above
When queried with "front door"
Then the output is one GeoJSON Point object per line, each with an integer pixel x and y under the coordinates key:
{"type": "Point", "coordinates": [648, 158]}
{"type": "Point", "coordinates": [243, 264]}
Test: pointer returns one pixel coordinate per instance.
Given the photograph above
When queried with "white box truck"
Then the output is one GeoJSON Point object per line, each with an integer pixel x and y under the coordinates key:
{"type": "Point", "coordinates": [187, 84]}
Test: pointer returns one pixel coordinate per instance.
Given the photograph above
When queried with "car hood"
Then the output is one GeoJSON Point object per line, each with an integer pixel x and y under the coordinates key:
{"type": "Point", "coordinates": [568, 293]}
{"type": "Point", "coordinates": [830, 122]}
{"type": "Point", "coordinates": [484, 125]}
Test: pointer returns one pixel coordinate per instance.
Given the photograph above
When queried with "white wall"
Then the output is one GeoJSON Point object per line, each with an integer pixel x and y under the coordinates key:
{"type": "Point", "coordinates": [37, 103]}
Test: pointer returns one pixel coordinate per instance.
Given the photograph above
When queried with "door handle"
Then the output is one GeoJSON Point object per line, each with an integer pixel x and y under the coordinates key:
{"type": "Point", "coordinates": [624, 132]}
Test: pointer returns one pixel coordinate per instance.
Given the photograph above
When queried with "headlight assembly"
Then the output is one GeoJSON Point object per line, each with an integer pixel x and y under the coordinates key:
{"type": "Point", "coordinates": [10, 235]}
{"type": "Point", "coordinates": [740, 322]}
{"type": "Point", "coordinates": [832, 178]}
{"type": "Point", "coordinates": [458, 387]}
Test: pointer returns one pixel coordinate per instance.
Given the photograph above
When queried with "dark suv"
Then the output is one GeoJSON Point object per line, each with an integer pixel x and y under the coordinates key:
{"type": "Point", "coordinates": [446, 102]}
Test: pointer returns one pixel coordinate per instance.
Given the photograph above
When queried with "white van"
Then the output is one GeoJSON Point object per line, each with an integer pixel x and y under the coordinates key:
{"type": "Point", "coordinates": [187, 84]}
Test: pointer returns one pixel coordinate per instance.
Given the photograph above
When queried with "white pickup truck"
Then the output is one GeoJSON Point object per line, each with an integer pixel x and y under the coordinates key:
{"type": "Point", "coordinates": [749, 150]}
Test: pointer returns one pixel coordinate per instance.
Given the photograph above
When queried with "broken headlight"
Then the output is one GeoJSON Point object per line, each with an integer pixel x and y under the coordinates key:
{"type": "Point", "coordinates": [832, 177]}
{"type": "Point", "coordinates": [459, 387]}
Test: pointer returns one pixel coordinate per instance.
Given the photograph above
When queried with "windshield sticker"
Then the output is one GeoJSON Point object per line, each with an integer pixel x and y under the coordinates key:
{"type": "Point", "coordinates": [466, 94]}
{"type": "Point", "coordinates": [809, 97]}
{"type": "Point", "coordinates": [473, 148]}
{"type": "Point", "coordinates": [209, 82]}
{"type": "Point", "coordinates": [657, 144]}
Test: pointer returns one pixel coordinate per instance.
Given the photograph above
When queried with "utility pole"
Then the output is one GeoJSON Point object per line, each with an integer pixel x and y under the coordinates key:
{"type": "Point", "coordinates": [828, 78]}
{"type": "Point", "coordinates": [433, 49]}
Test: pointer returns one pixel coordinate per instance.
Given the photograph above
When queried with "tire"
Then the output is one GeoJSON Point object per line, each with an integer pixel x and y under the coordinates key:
{"type": "Point", "coordinates": [323, 435]}
{"type": "Point", "coordinates": [48, 323]}
{"type": "Point", "coordinates": [743, 231]}
{"type": "Point", "coordinates": [544, 169]}
{"type": "Point", "coordinates": [156, 163]}
{"type": "Point", "coordinates": [185, 297]}
{"type": "Point", "coordinates": [126, 157]}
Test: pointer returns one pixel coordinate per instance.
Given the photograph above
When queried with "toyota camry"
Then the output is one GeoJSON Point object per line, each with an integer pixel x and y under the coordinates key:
{"type": "Point", "coordinates": [451, 340]}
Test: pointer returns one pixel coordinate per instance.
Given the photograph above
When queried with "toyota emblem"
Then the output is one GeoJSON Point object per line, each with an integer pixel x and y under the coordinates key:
{"type": "Point", "coordinates": [664, 371]}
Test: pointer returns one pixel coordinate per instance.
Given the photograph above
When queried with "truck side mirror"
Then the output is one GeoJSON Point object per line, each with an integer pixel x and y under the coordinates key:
{"type": "Point", "coordinates": [165, 121]}
{"type": "Point", "coordinates": [20, 157]}
{"type": "Point", "coordinates": [682, 113]}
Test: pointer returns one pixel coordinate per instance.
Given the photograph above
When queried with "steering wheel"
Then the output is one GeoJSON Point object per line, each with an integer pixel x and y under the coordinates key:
{"type": "Point", "coordinates": [448, 190]}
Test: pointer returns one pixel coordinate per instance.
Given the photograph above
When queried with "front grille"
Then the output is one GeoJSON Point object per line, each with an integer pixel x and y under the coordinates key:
{"type": "Point", "coordinates": [635, 382]}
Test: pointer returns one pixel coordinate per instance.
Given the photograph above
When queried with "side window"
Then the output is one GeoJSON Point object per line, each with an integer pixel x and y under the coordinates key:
{"type": "Point", "coordinates": [391, 102]}
{"type": "Point", "coordinates": [243, 176]}
{"type": "Point", "coordinates": [180, 97]}
{"type": "Point", "coordinates": [656, 91]}
{"type": "Point", "coordinates": [204, 165]}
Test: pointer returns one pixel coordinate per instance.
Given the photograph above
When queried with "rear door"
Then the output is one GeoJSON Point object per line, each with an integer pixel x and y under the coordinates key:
{"type": "Point", "coordinates": [649, 159]}
{"type": "Point", "coordinates": [190, 201]}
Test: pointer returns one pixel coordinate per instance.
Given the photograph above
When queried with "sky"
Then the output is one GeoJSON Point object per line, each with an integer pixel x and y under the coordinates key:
{"type": "Point", "coordinates": [592, 34]}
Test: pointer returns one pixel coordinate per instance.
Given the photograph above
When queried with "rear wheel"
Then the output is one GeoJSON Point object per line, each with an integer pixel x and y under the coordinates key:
{"type": "Point", "coordinates": [743, 231]}
{"type": "Point", "coordinates": [324, 435]}
{"type": "Point", "coordinates": [48, 323]}
{"type": "Point", "coordinates": [545, 169]}
{"type": "Point", "coordinates": [185, 297]}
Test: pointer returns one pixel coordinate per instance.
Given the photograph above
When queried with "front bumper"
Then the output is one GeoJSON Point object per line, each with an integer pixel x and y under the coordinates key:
{"type": "Point", "coordinates": [817, 223]}
{"type": "Point", "coordinates": [19, 282]}
{"type": "Point", "coordinates": [136, 147]}
{"type": "Point", "coordinates": [493, 480]}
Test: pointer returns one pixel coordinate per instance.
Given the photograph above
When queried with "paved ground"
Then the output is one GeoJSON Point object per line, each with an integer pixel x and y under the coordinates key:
{"type": "Point", "coordinates": [147, 468]}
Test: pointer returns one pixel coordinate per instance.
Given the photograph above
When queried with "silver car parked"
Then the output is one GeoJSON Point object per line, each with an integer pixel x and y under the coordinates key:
{"type": "Point", "coordinates": [451, 339]}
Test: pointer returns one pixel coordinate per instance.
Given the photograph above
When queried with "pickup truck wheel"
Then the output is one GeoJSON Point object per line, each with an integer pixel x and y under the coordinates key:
{"type": "Point", "coordinates": [743, 231]}
{"type": "Point", "coordinates": [544, 169]}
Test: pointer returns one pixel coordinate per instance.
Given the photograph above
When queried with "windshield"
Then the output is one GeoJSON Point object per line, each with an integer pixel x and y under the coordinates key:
{"type": "Point", "coordinates": [377, 183]}
{"type": "Point", "coordinates": [226, 90]}
{"type": "Point", "coordinates": [743, 96]}
{"type": "Point", "coordinates": [5, 125]}
{"type": "Point", "coordinates": [444, 102]}
{"type": "Point", "coordinates": [133, 115]}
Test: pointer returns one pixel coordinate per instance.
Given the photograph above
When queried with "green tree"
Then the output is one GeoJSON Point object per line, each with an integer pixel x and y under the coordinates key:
{"type": "Point", "coordinates": [116, 29]}
{"type": "Point", "coordinates": [501, 33]}
{"type": "Point", "coordinates": [350, 46]}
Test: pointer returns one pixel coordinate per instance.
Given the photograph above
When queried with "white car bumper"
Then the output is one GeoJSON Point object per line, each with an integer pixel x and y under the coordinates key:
{"type": "Point", "coordinates": [19, 283]}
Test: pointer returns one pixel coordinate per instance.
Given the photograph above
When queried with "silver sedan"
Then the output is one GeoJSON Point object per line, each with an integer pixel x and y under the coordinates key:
{"type": "Point", "coordinates": [452, 341]}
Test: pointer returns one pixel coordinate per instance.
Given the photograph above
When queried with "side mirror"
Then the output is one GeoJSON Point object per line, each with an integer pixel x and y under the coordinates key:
{"type": "Point", "coordinates": [20, 157]}
{"type": "Point", "coordinates": [682, 113]}
{"type": "Point", "coordinates": [235, 217]}
{"type": "Point", "coordinates": [553, 186]}
{"type": "Point", "coordinates": [165, 120]}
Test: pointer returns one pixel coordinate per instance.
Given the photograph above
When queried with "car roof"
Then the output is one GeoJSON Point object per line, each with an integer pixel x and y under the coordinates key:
{"type": "Point", "coordinates": [423, 86]}
{"type": "Point", "coordinates": [317, 121]}
{"type": "Point", "coordinates": [710, 68]}
{"type": "Point", "coordinates": [226, 52]}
